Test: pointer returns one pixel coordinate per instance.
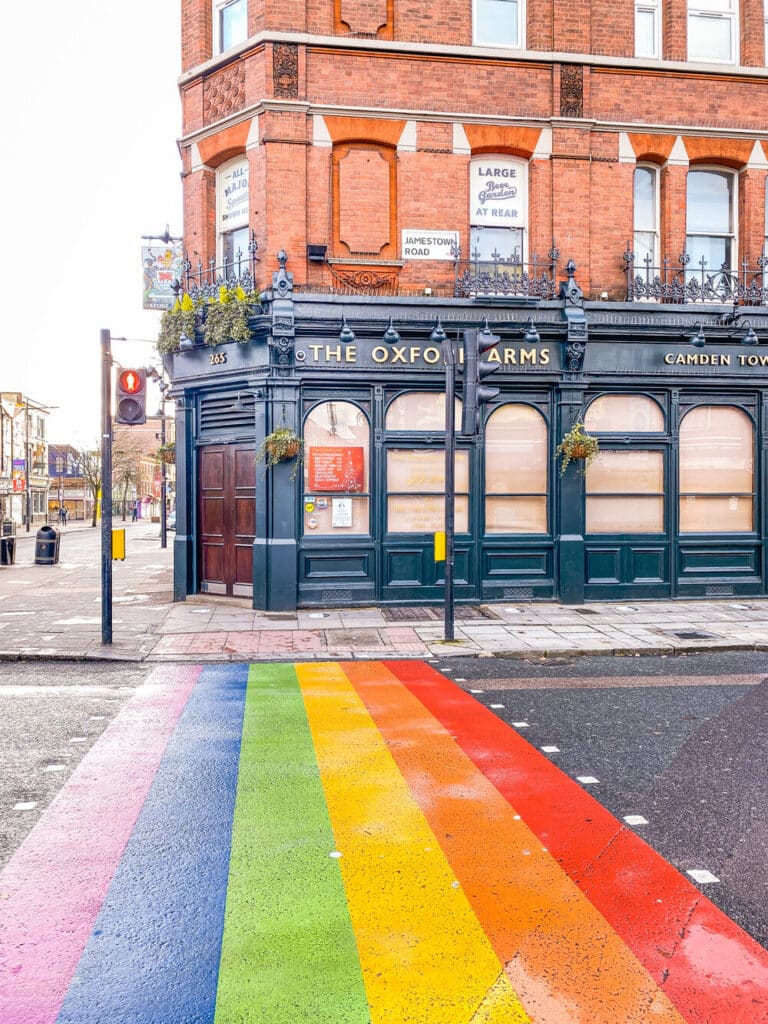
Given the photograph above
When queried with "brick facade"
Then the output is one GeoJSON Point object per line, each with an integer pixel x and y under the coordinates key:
{"type": "Point", "coordinates": [360, 119]}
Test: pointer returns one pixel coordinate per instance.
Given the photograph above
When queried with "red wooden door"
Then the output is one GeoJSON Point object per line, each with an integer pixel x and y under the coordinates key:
{"type": "Point", "coordinates": [227, 475]}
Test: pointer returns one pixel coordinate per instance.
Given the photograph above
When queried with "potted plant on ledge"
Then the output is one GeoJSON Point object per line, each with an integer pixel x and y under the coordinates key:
{"type": "Point", "coordinates": [577, 445]}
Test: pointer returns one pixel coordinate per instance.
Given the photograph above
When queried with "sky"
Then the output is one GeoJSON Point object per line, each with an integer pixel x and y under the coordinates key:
{"type": "Point", "coordinates": [90, 119]}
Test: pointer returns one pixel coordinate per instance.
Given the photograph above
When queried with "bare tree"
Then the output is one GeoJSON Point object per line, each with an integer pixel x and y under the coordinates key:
{"type": "Point", "coordinates": [127, 454]}
{"type": "Point", "coordinates": [90, 467]}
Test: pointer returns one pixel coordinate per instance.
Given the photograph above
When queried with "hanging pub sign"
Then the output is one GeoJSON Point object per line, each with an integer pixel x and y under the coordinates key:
{"type": "Point", "coordinates": [336, 469]}
{"type": "Point", "coordinates": [232, 206]}
{"type": "Point", "coordinates": [161, 266]}
{"type": "Point", "coordinates": [498, 192]}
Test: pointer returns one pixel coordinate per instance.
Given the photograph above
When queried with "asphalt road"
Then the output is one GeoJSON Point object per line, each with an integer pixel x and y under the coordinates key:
{"type": "Point", "coordinates": [680, 742]}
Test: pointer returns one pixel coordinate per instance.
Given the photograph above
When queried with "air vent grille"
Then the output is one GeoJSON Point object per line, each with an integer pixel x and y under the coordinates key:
{"type": "Point", "coordinates": [232, 413]}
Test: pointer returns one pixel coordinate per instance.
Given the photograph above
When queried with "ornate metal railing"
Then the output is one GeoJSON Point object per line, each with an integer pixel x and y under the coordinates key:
{"type": "Point", "coordinates": [205, 279]}
{"type": "Point", "coordinates": [681, 281]}
{"type": "Point", "coordinates": [506, 276]}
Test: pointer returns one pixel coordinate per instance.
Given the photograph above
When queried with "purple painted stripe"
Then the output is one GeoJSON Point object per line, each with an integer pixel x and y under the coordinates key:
{"type": "Point", "coordinates": [53, 887]}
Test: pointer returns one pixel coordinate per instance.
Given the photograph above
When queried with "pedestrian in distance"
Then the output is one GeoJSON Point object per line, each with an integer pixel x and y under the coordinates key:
{"type": "Point", "coordinates": [134, 512]}
{"type": "Point", "coordinates": [63, 516]}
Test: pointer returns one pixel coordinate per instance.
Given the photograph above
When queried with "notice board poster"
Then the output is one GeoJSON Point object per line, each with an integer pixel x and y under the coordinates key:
{"type": "Point", "coordinates": [336, 469]}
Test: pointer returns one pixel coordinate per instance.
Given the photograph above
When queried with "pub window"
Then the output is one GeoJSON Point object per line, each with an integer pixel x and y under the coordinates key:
{"type": "Point", "coordinates": [625, 414]}
{"type": "Point", "coordinates": [416, 490]}
{"type": "Point", "coordinates": [710, 219]}
{"type": "Point", "coordinates": [336, 470]}
{"type": "Point", "coordinates": [716, 471]}
{"type": "Point", "coordinates": [420, 410]}
{"type": "Point", "coordinates": [230, 24]}
{"type": "Point", "coordinates": [498, 208]}
{"type": "Point", "coordinates": [625, 492]}
{"type": "Point", "coordinates": [498, 22]}
{"type": "Point", "coordinates": [516, 457]}
{"type": "Point", "coordinates": [712, 30]}
{"type": "Point", "coordinates": [646, 217]}
{"type": "Point", "coordinates": [232, 213]}
{"type": "Point", "coordinates": [647, 28]}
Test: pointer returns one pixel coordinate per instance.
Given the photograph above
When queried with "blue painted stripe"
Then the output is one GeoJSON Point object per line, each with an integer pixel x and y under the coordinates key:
{"type": "Point", "coordinates": [153, 957]}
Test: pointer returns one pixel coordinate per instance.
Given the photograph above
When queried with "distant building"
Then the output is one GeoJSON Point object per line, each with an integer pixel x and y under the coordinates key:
{"type": "Point", "coordinates": [24, 477]}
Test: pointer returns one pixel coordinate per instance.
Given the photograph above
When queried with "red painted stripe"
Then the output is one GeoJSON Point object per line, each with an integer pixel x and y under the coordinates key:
{"type": "Point", "coordinates": [709, 967]}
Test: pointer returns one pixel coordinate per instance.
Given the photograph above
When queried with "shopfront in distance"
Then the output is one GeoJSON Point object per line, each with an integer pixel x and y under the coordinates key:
{"type": "Point", "coordinates": [674, 506]}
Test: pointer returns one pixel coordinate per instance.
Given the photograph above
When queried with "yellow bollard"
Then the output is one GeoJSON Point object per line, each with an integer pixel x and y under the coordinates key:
{"type": "Point", "coordinates": [439, 543]}
{"type": "Point", "coordinates": [118, 545]}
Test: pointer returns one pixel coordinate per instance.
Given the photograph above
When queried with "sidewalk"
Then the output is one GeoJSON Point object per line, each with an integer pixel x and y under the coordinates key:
{"type": "Point", "coordinates": [55, 612]}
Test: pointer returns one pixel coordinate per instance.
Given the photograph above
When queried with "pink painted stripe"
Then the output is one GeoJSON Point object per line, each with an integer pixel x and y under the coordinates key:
{"type": "Point", "coordinates": [53, 887]}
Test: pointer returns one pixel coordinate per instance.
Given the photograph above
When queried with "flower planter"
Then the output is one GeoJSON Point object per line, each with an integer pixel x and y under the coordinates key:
{"type": "Point", "coordinates": [168, 456]}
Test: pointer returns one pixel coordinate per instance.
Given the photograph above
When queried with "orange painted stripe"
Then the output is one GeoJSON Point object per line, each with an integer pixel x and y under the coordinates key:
{"type": "Point", "coordinates": [563, 959]}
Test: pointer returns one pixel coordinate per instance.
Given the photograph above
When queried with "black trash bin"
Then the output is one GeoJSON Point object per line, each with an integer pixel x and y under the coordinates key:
{"type": "Point", "coordinates": [47, 546]}
{"type": "Point", "coordinates": [7, 551]}
{"type": "Point", "coordinates": [8, 528]}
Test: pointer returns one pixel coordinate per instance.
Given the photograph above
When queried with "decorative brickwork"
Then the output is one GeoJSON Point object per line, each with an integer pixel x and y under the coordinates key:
{"type": "Point", "coordinates": [571, 90]}
{"type": "Point", "coordinates": [224, 93]}
{"type": "Point", "coordinates": [285, 70]}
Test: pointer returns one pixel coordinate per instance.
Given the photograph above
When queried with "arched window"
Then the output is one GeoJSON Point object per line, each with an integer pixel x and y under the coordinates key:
{"type": "Point", "coordinates": [232, 212]}
{"type": "Point", "coordinates": [646, 217]}
{"type": "Point", "coordinates": [711, 220]}
{"type": "Point", "coordinates": [420, 410]}
{"type": "Point", "coordinates": [516, 459]}
{"type": "Point", "coordinates": [336, 473]}
{"type": "Point", "coordinates": [626, 414]}
{"type": "Point", "coordinates": [498, 208]}
{"type": "Point", "coordinates": [716, 471]}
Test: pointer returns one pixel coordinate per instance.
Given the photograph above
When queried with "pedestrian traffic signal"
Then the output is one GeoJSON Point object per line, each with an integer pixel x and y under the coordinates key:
{"type": "Point", "coordinates": [131, 397]}
{"type": "Point", "coordinates": [477, 394]}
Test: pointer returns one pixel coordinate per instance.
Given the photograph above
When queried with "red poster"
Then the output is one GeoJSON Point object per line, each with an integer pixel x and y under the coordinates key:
{"type": "Point", "coordinates": [336, 469]}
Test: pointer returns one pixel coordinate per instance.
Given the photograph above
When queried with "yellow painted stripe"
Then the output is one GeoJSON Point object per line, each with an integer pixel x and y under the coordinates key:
{"type": "Point", "coordinates": [424, 956]}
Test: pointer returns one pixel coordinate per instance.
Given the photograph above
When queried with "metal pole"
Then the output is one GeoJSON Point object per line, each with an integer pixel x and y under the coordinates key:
{"type": "Point", "coordinates": [27, 467]}
{"type": "Point", "coordinates": [163, 487]}
{"type": "Point", "coordinates": [106, 487]}
{"type": "Point", "coordinates": [450, 482]}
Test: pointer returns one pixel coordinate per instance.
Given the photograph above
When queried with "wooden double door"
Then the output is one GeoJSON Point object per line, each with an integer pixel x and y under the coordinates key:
{"type": "Point", "coordinates": [227, 518]}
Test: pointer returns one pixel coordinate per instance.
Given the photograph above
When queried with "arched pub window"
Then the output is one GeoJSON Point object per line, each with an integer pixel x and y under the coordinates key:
{"type": "Point", "coordinates": [625, 488]}
{"type": "Point", "coordinates": [416, 474]}
{"type": "Point", "coordinates": [716, 470]}
{"type": "Point", "coordinates": [336, 470]}
{"type": "Point", "coordinates": [516, 457]}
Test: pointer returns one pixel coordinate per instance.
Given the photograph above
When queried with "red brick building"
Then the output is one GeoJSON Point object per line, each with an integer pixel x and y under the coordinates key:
{"type": "Point", "coordinates": [589, 181]}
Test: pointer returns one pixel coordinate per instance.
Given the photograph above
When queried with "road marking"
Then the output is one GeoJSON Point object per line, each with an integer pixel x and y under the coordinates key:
{"type": "Point", "coordinates": [55, 768]}
{"type": "Point", "coordinates": [588, 780]}
{"type": "Point", "coordinates": [496, 707]}
{"type": "Point", "coordinates": [635, 819]}
{"type": "Point", "coordinates": [520, 725]}
{"type": "Point", "coordinates": [551, 750]}
{"type": "Point", "coordinates": [702, 876]}
{"type": "Point", "coordinates": [30, 805]}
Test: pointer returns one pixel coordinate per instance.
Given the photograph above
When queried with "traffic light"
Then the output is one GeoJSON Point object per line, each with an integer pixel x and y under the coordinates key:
{"type": "Point", "coordinates": [476, 394]}
{"type": "Point", "coordinates": [131, 397]}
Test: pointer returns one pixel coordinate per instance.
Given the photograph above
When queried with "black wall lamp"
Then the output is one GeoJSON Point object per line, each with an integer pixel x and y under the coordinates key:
{"type": "Point", "coordinates": [750, 338]}
{"type": "Point", "coordinates": [530, 334]}
{"type": "Point", "coordinates": [698, 340]}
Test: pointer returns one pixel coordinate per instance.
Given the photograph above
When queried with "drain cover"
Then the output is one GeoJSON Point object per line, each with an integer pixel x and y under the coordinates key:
{"type": "Point", "coordinates": [586, 611]}
{"type": "Point", "coordinates": [691, 634]}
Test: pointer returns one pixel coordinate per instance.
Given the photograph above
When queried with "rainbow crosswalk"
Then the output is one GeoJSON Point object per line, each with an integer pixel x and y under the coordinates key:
{"type": "Point", "coordinates": [345, 843]}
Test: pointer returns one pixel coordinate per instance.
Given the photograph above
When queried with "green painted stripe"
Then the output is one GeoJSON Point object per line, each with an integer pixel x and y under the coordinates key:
{"type": "Point", "coordinates": [288, 951]}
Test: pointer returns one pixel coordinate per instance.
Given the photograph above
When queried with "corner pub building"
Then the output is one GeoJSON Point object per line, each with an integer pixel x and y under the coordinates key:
{"type": "Point", "coordinates": [371, 174]}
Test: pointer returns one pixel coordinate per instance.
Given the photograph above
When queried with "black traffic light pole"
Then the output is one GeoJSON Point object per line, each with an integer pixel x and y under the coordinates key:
{"type": "Point", "coordinates": [106, 487]}
{"type": "Point", "coordinates": [438, 336]}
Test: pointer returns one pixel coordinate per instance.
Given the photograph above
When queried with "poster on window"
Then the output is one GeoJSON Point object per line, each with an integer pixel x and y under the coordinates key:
{"type": "Point", "coordinates": [232, 195]}
{"type": "Point", "coordinates": [336, 469]}
{"type": "Point", "coordinates": [498, 193]}
{"type": "Point", "coordinates": [161, 267]}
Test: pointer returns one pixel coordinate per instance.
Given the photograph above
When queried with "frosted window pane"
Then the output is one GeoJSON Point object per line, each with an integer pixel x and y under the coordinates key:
{"type": "Point", "coordinates": [516, 515]}
{"type": "Point", "coordinates": [709, 38]}
{"type": "Point", "coordinates": [708, 203]}
{"type": "Point", "coordinates": [716, 252]}
{"type": "Point", "coordinates": [491, 244]}
{"type": "Point", "coordinates": [516, 451]}
{"type": "Point", "coordinates": [629, 414]}
{"type": "Point", "coordinates": [423, 472]}
{"type": "Point", "coordinates": [406, 514]}
{"type": "Point", "coordinates": [337, 425]}
{"type": "Point", "coordinates": [645, 199]}
{"type": "Point", "coordinates": [497, 22]}
{"type": "Point", "coordinates": [629, 472]}
{"type": "Point", "coordinates": [715, 515]}
{"type": "Point", "coordinates": [716, 451]}
{"type": "Point", "coordinates": [645, 33]}
{"type": "Point", "coordinates": [625, 515]}
{"type": "Point", "coordinates": [420, 410]}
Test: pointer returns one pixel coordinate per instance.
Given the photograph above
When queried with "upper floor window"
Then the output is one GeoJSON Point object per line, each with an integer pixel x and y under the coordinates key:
{"type": "Point", "coordinates": [230, 23]}
{"type": "Point", "coordinates": [232, 212]}
{"type": "Point", "coordinates": [498, 22]}
{"type": "Point", "coordinates": [498, 213]}
{"type": "Point", "coordinates": [647, 28]}
{"type": "Point", "coordinates": [712, 30]}
{"type": "Point", "coordinates": [710, 220]}
{"type": "Point", "coordinates": [646, 217]}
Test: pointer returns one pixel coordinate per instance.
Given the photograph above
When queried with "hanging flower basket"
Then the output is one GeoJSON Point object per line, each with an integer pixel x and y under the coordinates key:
{"type": "Point", "coordinates": [579, 446]}
{"type": "Point", "coordinates": [282, 445]}
{"type": "Point", "coordinates": [167, 453]}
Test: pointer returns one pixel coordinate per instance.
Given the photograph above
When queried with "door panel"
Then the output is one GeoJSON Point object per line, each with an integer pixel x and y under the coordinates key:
{"type": "Point", "coordinates": [227, 476]}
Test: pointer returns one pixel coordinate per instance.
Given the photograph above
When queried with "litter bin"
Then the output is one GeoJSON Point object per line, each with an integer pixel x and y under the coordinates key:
{"type": "Point", "coordinates": [8, 528]}
{"type": "Point", "coordinates": [47, 546]}
{"type": "Point", "coordinates": [7, 551]}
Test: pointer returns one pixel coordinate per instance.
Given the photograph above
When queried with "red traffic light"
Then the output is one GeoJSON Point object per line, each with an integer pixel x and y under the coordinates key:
{"type": "Point", "coordinates": [130, 382]}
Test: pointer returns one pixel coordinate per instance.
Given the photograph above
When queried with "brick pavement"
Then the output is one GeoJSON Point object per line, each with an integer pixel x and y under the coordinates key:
{"type": "Point", "coordinates": [55, 612]}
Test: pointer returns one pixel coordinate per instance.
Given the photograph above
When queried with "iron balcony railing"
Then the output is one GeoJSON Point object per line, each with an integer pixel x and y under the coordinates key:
{"type": "Point", "coordinates": [506, 276]}
{"type": "Point", "coordinates": [682, 281]}
{"type": "Point", "coordinates": [205, 279]}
